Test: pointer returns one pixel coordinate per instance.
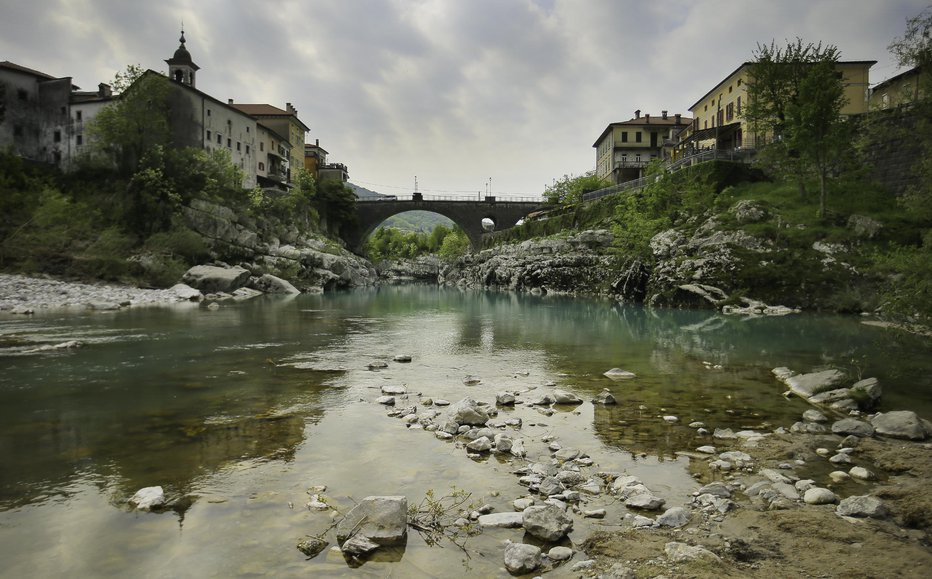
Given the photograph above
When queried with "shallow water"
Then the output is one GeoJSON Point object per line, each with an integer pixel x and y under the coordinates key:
{"type": "Point", "coordinates": [237, 412]}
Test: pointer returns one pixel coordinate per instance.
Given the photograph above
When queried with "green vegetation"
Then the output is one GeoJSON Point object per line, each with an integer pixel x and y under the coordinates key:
{"type": "Point", "coordinates": [390, 244]}
{"type": "Point", "coordinates": [569, 189]}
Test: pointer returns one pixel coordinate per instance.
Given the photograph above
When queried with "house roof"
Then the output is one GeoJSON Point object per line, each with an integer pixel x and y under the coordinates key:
{"type": "Point", "coordinates": [898, 77]}
{"type": "Point", "coordinates": [265, 110]}
{"type": "Point", "coordinates": [869, 64]}
{"type": "Point", "coordinates": [40, 75]}
{"type": "Point", "coordinates": [645, 121]}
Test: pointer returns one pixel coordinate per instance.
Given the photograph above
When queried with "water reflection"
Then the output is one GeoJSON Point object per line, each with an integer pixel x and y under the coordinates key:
{"type": "Point", "coordinates": [239, 410]}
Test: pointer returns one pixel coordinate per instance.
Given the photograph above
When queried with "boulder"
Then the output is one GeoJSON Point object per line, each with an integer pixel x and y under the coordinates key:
{"type": "Point", "coordinates": [819, 496]}
{"type": "Point", "coordinates": [867, 392]}
{"type": "Point", "coordinates": [270, 284]}
{"type": "Point", "coordinates": [382, 519]}
{"type": "Point", "coordinates": [468, 411]}
{"type": "Point", "coordinates": [508, 520]}
{"type": "Point", "coordinates": [604, 397]}
{"type": "Point", "coordinates": [808, 385]}
{"type": "Point", "coordinates": [547, 522]}
{"type": "Point", "coordinates": [505, 399]}
{"type": "Point", "coordinates": [521, 558]}
{"type": "Point", "coordinates": [853, 426]}
{"type": "Point", "coordinates": [559, 553]}
{"type": "Point", "coordinates": [213, 279]}
{"type": "Point", "coordinates": [904, 424]}
{"type": "Point", "coordinates": [312, 546]}
{"type": "Point", "coordinates": [186, 292]}
{"type": "Point", "coordinates": [674, 517]}
{"type": "Point", "coordinates": [564, 397]}
{"type": "Point", "coordinates": [481, 444]}
{"type": "Point", "coordinates": [148, 498]}
{"type": "Point", "coordinates": [861, 506]}
{"type": "Point", "coordinates": [359, 545]}
{"type": "Point", "coordinates": [619, 374]}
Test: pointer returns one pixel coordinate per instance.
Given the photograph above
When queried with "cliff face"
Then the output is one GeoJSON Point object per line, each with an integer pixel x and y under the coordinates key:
{"type": "Point", "coordinates": [310, 262]}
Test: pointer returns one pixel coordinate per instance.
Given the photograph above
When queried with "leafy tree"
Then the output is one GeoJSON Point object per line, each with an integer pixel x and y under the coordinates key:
{"type": "Point", "coordinates": [454, 245]}
{"type": "Point", "coordinates": [782, 84]}
{"type": "Point", "coordinates": [135, 122]}
{"type": "Point", "coordinates": [336, 204]}
{"type": "Point", "coordinates": [570, 189]}
{"type": "Point", "coordinates": [814, 129]}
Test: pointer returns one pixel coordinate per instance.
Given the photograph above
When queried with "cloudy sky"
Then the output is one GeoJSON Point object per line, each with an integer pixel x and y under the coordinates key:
{"type": "Point", "coordinates": [456, 92]}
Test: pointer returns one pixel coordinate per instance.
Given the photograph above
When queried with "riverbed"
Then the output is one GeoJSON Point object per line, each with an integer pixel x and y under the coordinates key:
{"type": "Point", "coordinates": [237, 412]}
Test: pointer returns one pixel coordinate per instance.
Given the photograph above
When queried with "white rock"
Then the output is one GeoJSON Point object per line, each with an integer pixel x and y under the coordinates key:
{"type": "Point", "coordinates": [147, 498]}
{"type": "Point", "coordinates": [559, 553]}
{"type": "Point", "coordinates": [819, 496]}
{"type": "Point", "coordinates": [619, 374]}
{"type": "Point", "coordinates": [507, 520]}
{"type": "Point", "coordinates": [862, 473]}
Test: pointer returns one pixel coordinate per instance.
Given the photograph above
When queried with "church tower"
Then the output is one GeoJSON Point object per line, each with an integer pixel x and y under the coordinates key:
{"type": "Point", "coordinates": [180, 66]}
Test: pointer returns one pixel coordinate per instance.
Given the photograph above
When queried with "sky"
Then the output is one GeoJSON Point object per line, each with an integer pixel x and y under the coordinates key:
{"type": "Point", "coordinates": [469, 96]}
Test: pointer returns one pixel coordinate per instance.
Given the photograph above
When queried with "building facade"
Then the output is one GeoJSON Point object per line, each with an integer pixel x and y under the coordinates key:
{"type": "Point", "coordinates": [897, 91]}
{"type": "Point", "coordinates": [286, 124]}
{"type": "Point", "coordinates": [624, 149]}
{"type": "Point", "coordinates": [718, 117]}
{"type": "Point", "coordinates": [34, 114]}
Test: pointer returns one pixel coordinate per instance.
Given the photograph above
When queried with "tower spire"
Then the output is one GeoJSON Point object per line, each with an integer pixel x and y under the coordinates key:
{"type": "Point", "coordinates": [181, 67]}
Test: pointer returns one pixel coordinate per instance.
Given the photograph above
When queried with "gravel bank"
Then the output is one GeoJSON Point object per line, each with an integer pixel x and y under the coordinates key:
{"type": "Point", "coordinates": [23, 294]}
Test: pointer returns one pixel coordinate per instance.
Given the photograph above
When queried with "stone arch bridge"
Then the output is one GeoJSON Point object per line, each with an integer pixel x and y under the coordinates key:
{"type": "Point", "coordinates": [467, 212]}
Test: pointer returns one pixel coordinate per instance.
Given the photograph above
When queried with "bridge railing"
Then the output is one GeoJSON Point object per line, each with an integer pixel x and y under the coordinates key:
{"type": "Point", "coordinates": [459, 198]}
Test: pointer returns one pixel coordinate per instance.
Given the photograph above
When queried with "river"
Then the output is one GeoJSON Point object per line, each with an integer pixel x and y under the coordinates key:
{"type": "Point", "coordinates": [237, 412]}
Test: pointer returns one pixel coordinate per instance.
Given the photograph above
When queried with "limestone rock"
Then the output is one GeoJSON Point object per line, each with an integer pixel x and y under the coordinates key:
{"type": "Point", "coordinates": [270, 284]}
{"type": "Point", "coordinates": [819, 496]}
{"type": "Point", "coordinates": [521, 558]}
{"type": "Point", "coordinates": [852, 426]}
{"type": "Point", "coordinates": [808, 385]}
{"type": "Point", "coordinates": [619, 374]}
{"type": "Point", "coordinates": [312, 546]}
{"type": "Point", "coordinates": [861, 506]}
{"type": "Point", "coordinates": [468, 411]}
{"type": "Point", "coordinates": [148, 498]}
{"type": "Point", "coordinates": [559, 553]}
{"type": "Point", "coordinates": [212, 279]}
{"type": "Point", "coordinates": [604, 397]}
{"type": "Point", "coordinates": [904, 424]}
{"type": "Point", "coordinates": [383, 519]}
{"type": "Point", "coordinates": [674, 517]}
{"type": "Point", "coordinates": [547, 522]}
{"type": "Point", "coordinates": [508, 520]}
{"type": "Point", "coordinates": [564, 397]}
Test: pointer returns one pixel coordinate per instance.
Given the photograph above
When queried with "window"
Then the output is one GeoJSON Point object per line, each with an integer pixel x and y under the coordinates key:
{"type": "Point", "coordinates": [261, 146]}
{"type": "Point", "coordinates": [79, 140]}
{"type": "Point", "coordinates": [247, 149]}
{"type": "Point", "coordinates": [22, 95]}
{"type": "Point", "coordinates": [247, 129]}
{"type": "Point", "coordinates": [17, 130]}
{"type": "Point", "coordinates": [705, 108]}
{"type": "Point", "coordinates": [637, 158]}
{"type": "Point", "coordinates": [738, 102]}
{"type": "Point", "coordinates": [624, 136]}
{"type": "Point", "coordinates": [64, 111]}
{"type": "Point", "coordinates": [237, 146]}
{"type": "Point", "coordinates": [56, 136]}
{"type": "Point", "coordinates": [729, 90]}
{"type": "Point", "coordinates": [262, 166]}
{"type": "Point", "coordinates": [705, 124]}
{"type": "Point", "coordinates": [77, 116]}
{"type": "Point", "coordinates": [229, 143]}
{"type": "Point", "coordinates": [208, 112]}
{"type": "Point", "coordinates": [637, 137]}
{"type": "Point", "coordinates": [208, 134]}
{"type": "Point", "coordinates": [739, 82]}
{"type": "Point", "coordinates": [729, 112]}
{"type": "Point", "coordinates": [219, 139]}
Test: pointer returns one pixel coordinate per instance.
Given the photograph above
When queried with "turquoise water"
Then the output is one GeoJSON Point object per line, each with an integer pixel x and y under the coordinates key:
{"type": "Point", "coordinates": [237, 412]}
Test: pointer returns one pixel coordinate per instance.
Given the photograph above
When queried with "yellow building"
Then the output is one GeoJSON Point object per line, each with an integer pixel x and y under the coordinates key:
{"type": "Point", "coordinates": [624, 149]}
{"type": "Point", "coordinates": [718, 117]}
{"type": "Point", "coordinates": [286, 124]}
{"type": "Point", "coordinates": [897, 91]}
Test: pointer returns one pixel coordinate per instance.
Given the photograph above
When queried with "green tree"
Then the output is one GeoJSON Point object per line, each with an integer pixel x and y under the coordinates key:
{"type": "Point", "coordinates": [336, 204]}
{"type": "Point", "coordinates": [134, 123]}
{"type": "Point", "coordinates": [781, 81]}
{"type": "Point", "coordinates": [814, 129]}
{"type": "Point", "coordinates": [569, 189]}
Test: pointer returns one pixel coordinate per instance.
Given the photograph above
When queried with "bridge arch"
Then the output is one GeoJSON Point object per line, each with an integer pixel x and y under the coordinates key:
{"type": "Point", "coordinates": [468, 214]}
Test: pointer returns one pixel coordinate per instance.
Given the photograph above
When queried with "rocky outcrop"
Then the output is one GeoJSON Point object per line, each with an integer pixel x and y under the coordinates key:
{"type": "Point", "coordinates": [575, 265]}
{"type": "Point", "coordinates": [263, 246]}
{"type": "Point", "coordinates": [421, 269]}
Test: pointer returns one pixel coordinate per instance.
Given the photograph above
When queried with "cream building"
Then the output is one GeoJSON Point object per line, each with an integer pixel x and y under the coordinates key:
{"type": "Point", "coordinates": [624, 149]}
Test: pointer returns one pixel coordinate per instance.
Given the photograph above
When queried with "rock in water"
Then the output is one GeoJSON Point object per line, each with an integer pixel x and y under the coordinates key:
{"type": "Point", "coordinates": [359, 545]}
{"type": "Point", "coordinates": [604, 397]}
{"type": "Point", "coordinates": [521, 558]}
{"type": "Point", "coordinates": [506, 520]}
{"type": "Point", "coordinates": [383, 519]}
{"type": "Point", "coordinates": [312, 546]}
{"type": "Point", "coordinates": [468, 411]}
{"type": "Point", "coordinates": [619, 374]}
{"type": "Point", "coordinates": [147, 498]}
{"type": "Point", "coordinates": [270, 284]}
{"type": "Point", "coordinates": [547, 522]}
{"type": "Point", "coordinates": [212, 279]}
{"type": "Point", "coordinates": [564, 397]}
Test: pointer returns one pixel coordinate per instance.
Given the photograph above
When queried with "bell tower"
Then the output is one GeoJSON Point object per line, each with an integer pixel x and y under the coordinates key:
{"type": "Point", "coordinates": [180, 66]}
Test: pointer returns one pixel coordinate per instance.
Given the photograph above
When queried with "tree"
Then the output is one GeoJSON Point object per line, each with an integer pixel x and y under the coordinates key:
{"type": "Point", "coordinates": [570, 189]}
{"type": "Point", "coordinates": [336, 203]}
{"type": "Point", "coordinates": [814, 129]}
{"type": "Point", "coordinates": [790, 88]}
{"type": "Point", "coordinates": [134, 123]}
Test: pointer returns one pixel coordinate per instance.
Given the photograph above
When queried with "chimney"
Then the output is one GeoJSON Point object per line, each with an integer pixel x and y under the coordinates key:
{"type": "Point", "coordinates": [663, 114]}
{"type": "Point", "coordinates": [291, 109]}
{"type": "Point", "coordinates": [104, 90]}
{"type": "Point", "coordinates": [317, 142]}
{"type": "Point", "coordinates": [229, 101]}
{"type": "Point", "coordinates": [677, 116]}
{"type": "Point", "coordinates": [637, 114]}
{"type": "Point", "coordinates": [647, 118]}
